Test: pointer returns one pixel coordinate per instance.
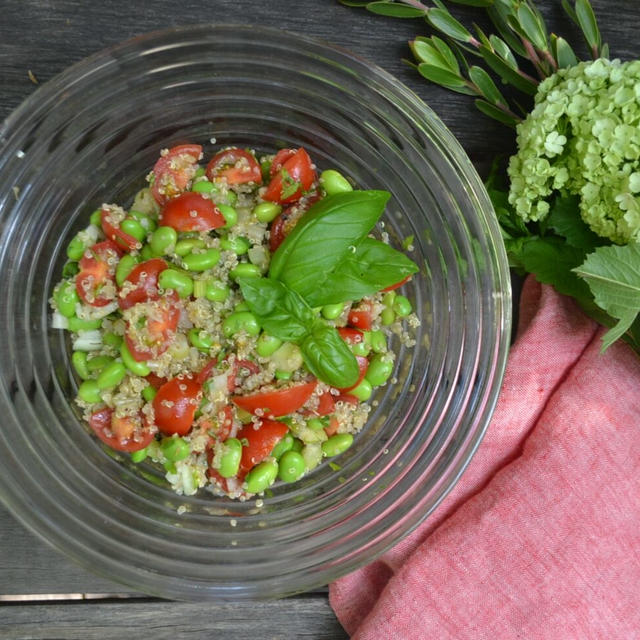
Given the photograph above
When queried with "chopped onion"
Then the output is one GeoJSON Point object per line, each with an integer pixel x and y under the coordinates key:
{"type": "Point", "coordinates": [58, 321]}
{"type": "Point", "coordinates": [87, 312]}
{"type": "Point", "coordinates": [88, 341]}
{"type": "Point", "coordinates": [259, 256]}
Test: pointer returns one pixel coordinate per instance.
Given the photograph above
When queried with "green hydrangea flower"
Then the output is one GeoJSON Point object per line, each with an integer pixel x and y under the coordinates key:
{"type": "Point", "coordinates": [583, 137]}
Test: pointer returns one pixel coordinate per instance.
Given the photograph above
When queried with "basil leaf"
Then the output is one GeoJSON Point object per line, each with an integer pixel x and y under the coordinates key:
{"type": "Point", "coordinates": [329, 358]}
{"type": "Point", "coordinates": [373, 267]}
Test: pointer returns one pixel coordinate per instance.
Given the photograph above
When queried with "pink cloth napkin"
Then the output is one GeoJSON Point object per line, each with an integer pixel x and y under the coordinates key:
{"type": "Point", "coordinates": [541, 536]}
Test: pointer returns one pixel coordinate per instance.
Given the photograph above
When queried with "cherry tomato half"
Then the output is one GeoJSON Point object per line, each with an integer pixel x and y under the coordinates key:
{"type": "Point", "coordinates": [237, 166]}
{"type": "Point", "coordinates": [258, 443]}
{"type": "Point", "coordinates": [155, 381]}
{"type": "Point", "coordinates": [121, 434]}
{"type": "Point", "coordinates": [278, 403]}
{"type": "Point", "coordinates": [191, 212]}
{"type": "Point", "coordinates": [361, 318]}
{"type": "Point", "coordinates": [115, 233]}
{"type": "Point", "coordinates": [143, 283]}
{"type": "Point", "coordinates": [351, 336]}
{"type": "Point", "coordinates": [95, 283]}
{"type": "Point", "coordinates": [363, 365]}
{"type": "Point", "coordinates": [294, 177]}
{"type": "Point", "coordinates": [173, 171]}
{"type": "Point", "coordinates": [280, 158]}
{"type": "Point", "coordinates": [249, 365]}
{"type": "Point", "coordinates": [175, 405]}
{"type": "Point", "coordinates": [283, 224]}
{"type": "Point", "coordinates": [334, 424]}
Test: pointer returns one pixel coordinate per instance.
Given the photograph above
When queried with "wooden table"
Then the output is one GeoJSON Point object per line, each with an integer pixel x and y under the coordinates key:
{"type": "Point", "coordinates": [42, 594]}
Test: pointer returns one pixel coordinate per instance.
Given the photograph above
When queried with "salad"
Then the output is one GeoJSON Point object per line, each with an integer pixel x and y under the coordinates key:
{"type": "Point", "coordinates": [232, 323]}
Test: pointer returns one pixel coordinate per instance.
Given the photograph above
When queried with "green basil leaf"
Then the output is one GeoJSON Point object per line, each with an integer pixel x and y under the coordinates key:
{"type": "Point", "coordinates": [329, 358]}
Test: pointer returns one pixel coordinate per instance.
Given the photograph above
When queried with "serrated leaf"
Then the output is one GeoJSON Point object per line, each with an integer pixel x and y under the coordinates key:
{"type": "Point", "coordinates": [394, 10]}
{"type": "Point", "coordinates": [563, 53]}
{"type": "Point", "coordinates": [486, 85]}
{"type": "Point", "coordinates": [445, 78]}
{"type": "Point", "coordinates": [507, 74]}
{"type": "Point", "coordinates": [443, 21]}
{"type": "Point", "coordinates": [587, 21]}
{"type": "Point", "coordinates": [502, 49]}
{"type": "Point", "coordinates": [564, 218]}
{"type": "Point", "coordinates": [497, 114]}
{"type": "Point", "coordinates": [425, 51]}
{"type": "Point", "coordinates": [533, 27]}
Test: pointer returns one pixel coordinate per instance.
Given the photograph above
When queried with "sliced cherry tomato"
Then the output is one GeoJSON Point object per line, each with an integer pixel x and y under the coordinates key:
{"type": "Point", "coordinates": [397, 284]}
{"type": "Point", "coordinates": [334, 424]}
{"type": "Point", "coordinates": [283, 224]}
{"type": "Point", "coordinates": [214, 475]}
{"type": "Point", "coordinates": [258, 443]}
{"type": "Point", "coordinates": [155, 381]}
{"type": "Point", "coordinates": [225, 422]}
{"type": "Point", "coordinates": [363, 365]}
{"type": "Point", "coordinates": [237, 166]}
{"type": "Point", "coordinates": [278, 403]}
{"type": "Point", "coordinates": [348, 398]}
{"type": "Point", "coordinates": [361, 318]}
{"type": "Point", "coordinates": [351, 336]}
{"type": "Point", "coordinates": [175, 405]}
{"type": "Point", "coordinates": [154, 337]}
{"type": "Point", "coordinates": [142, 283]}
{"type": "Point", "coordinates": [95, 283]}
{"type": "Point", "coordinates": [249, 365]}
{"type": "Point", "coordinates": [280, 158]}
{"type": "Point", "coordinates": [121, 434]}
{"type": "Point", "coordinates": [326, 404]}
{"type": "Point", "coordinates": [115, 233]}
{"type": "Point", "coordinates": [205, 372]}
{"type": "Point", "coordinates": [191, 212]}
{"type": "Point", "coordinates": [294, 177]}
{"type": "Point", "coordinates": [173, 171]}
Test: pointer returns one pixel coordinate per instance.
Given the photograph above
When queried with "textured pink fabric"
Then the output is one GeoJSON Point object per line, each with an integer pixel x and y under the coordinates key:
{"type": "Point", "coordinates": [540, 539]}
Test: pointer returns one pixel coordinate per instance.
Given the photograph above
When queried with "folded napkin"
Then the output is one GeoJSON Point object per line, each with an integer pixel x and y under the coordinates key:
{"type": "Point", "coordinates": [540, 538]}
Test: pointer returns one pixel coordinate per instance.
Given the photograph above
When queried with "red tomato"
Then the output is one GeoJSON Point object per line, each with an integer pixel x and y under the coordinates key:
{"type": "Point", "coordinates": [280, 158]}
{"type": "Point", "coordinates": [287, 220]}
{"type": "Point", "coordinates": [361, 318]}
{"type": "Point", "coordinates": [237, 166]}
{"type": "Point", "coordinates": [278, 403]}
{"type": "Point", "coordinates": [121, 434]}
{"type": "Point", "coordinates": [144, 277]}
{"type": "Point", "coordinates": [115, 233]}
{"type": "Point", "coordinates": [97, 272]}
{"type": "Point", "coordinates": [294, 178]}
{"type": "Point", "coordinates": [334, 423]}
{"type": "Point", "coordinates": [205, 372]}
{"type": "Point", "coordinates": [326, 404]}
{"type": "Point", "coordinates": [191, 212]}
{"type": "Point", "coordinates": [154, 338]}
{"type": "Point", "coordinates": [155, 381]}
{"type": "Point", "coordinates": [351, 336]}
{"type": "Point", "coordinates": [348, 398]}
{"type": "Point", "coordinates": [175, 405]}
{"type": "Point", "coordinates": [173, 171]}
{"type": "Point", "coordinates": [363, 365]}
{"type": "Point", "coordinates": [397, 284]}
{"type": "Point", "coordinates": [258, 443]}
{"type": "Point", "coordinates": [250, 366]}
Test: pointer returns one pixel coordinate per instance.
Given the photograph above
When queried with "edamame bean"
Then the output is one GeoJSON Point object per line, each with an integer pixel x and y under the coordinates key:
{"type": "Point", "coordinates": [297, 445]}
{"type": "Point", "coordinates": [239, 246]}
{"type": "Point", "coordinates": [201, 261]}
{"type": "Point", "coordinates": [316, 424]}
{"type": "Point", "coordinates": [200, 171]}
{"type": "Point", "coordinates": [378, 341]}
{"type": "Point", "coordinates": [282, 375]}
{"type": "Point", "coordinates": [337, 444]}
{"type": "Point", "coordinates": [149, 393]}
{"type": "Point", "coordinates": [146, 253]}
{"type": "Point", "coordinates": [402, 306]}
{"type": "Point", "coordinates": [291, 466]}
{"type": "Point", "coordinates": [229, 214]}
{"type": "Point", "coordinates": [174, 449]}
{"type": "Point", "coordinates": [284, 445]}
{"type": "Point", "coordinates": [66, 298]}
{"type": "Point", "coordinates": [112, 340]}
{"type": "Point", "coordinates": [137, 368]}
{"type": "Point", "coordinates": [124, 268]}
{"type": "Point", "coordinates": [245, 270]}
{"type": "Point", "coordinates": [230, 458]}
{"type": "Point", "coordinates": [111, 375]}
{"type": "Point", "coordinates": [267, 345]}
{"type": "Point", "coordinates": [144, 220]}
{"type": "Point", "coordinates": [216, 291]}
{"type": "Point", "coordinates": [75, 248]}
{"type": "Point", "coordinates": [240, 321]}
{"type": "Point", "coordinates": [134, 229]}
{"type": "Point", "coordinates": [232, 198]}
{"type": "Point", "coordinates": [89, 392]}
{"type": "Point", "coordinates": [387, 316]}
{"type": "Point", "coordinates": [78, 324]}
{"type": "Point", "coordinates": [334, 182]}
{"type": "Point", "coordinates": [360, 349]}
{"type": "Point", "coordinates": [70, 269]}
{"type": "Point", "coordinates": [379, 371]}
{"type": "Point", "coordinates": [96, 218]}
{"type": "Point", "coordinates": [204, 186]}
{"type": "Point", "coordinates": [332, 311]}
{"type": "Point", "coordinates": [363, 391]}
{"type": "Point", "coordinates": [265, 168]}
{"type": "Point", "coordinates": [262, 476]}
{"type": "Point", "coordinates": [183, 247]}
{"type": "Point", "coordinates": [242, 306]}
{"type": "Point", "coordinates": [98, 363]}
{"type": "Point", "coordinates": [181, 283]}
{"type": "Point", "coordinates": [163, 241]}
{"type": "Point", "coordinates": [79, 362]}
{"type": "Point", "coordinates": [389, 298]}
{"type": "Point", "coordinates": [267, 211]}
{"type": "Point", "coordinates": [200, 339]}
{"type": "Point", "coordinates": [139, 455]}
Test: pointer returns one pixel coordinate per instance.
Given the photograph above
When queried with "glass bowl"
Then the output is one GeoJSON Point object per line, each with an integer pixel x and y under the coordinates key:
{"type": "Point", "coordinates": [91, 135]}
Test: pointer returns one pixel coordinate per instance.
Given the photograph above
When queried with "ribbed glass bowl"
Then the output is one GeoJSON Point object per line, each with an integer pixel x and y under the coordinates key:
{"type": "Point", "coordinates": [90, 136]}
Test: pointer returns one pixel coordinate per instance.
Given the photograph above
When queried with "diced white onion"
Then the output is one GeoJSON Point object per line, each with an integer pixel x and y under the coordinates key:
{"type": "Point", "coordinates": [87, 312]}
{"type": "Point", "coordinates": [58, 321]}
{"type": "Point", "coordinates": [88, 341]}
{"type": "Point", "coordinates": [259, 256]}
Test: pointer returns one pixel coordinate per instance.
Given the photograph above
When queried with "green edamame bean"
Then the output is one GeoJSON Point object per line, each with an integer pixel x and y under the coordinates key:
{"type": "Point", "coordinates": [232, 198]}
{"type": "Point", "coordinates": [146, 253]}
{"type": "Point", "coordinates": [75, 248]}
{"type": "Point", "coordinates": [79, 362]}
{"type": "Point", "coordinates": [96, 218]}
{"type": "Point", "coordinates": [379, 370]}
{"type": "Point", "coordinates": [174, 449]}
{"type": "Point", "coordinates": [139, 455]}
{"type": "Point", "coordinates": [282, 375]}
{"type": "Point", "coordinates": [78, 324]}
{"type": "Point", "coordinates": [98, 363]}
{"type": "Point", "coordinates": [378, 341]}
{"type": "Point", "coordinates": [200, 171]}
{"type": "Point", "coordinates": [291, 466]}
{"type": "Point", "coordinates": [267, 211]}
{"type": "Point", "coordinates": [163, 241]}
{"type": "Point", "coordinates": [262, 476]}
{"type": "Point", "coordinates": [149, 393]}
{"type": "Point", "coordinates": [70, 269]}
{"type": "Point", "coordinates": [230, 458]}
{"type": "Point", "coordinates": [183, 247]}
{"type": "Point", "coordinates": [66, 298]}
{"type": "Point", "coordinates": [204, 186]}
{"type": "Point", "coordinates": [181, 283]}
{"type": "Point", "coordinates": [242, 306]}
{"type": "Point", "coordinates": [111, 375]}
{"type": "Point", "coordinates": [112, 340]}
{"type": "Point", "coordinates": [265, 168]}
{"type": "Point", "coordinates": [229, 214]}
{"type": "Point", "coordinates": [389, 298]}
{"type": "Point", "coordinates": [402, 306]}
{"type": "Point", "coordinates": [137, 368]}
{"type": "Point", "coordinates": [144, 220]}
{"type": "Point", "coordinates": [283, 446]}
{"type": "Point", "coordinates": [239, 246]}
{"type": "Point", "coordinates": [267, 345]}
{"type": "Point", "coordinates": [89, 392]}
{"type": "Point", "coordinates": [360, 349]}
{"type": "Point", "coordinates": [297, 445]}
{"type": "Point", "coordinates": [216, 291]}
{"type": "Point", "coordinates": [134, 229]}
{"type": "Point", "coordinates": [124, 268]}
{"type": "Point", "coordinates": [240, 321]}
{"type": "Point", "coordinates": [316, 424]}
{"type": "Point", "coordinates": [363, 391]}
{"type": "Point", "coordinates": [245, 270]}
{"type": "Point", "coordinates": [200, 339]}
{"type": "Point", "coordinates": [332, 311]}
{"type": "Point", "coordinates": [387, 316]}
{"type": "Point", "coordinates": [337, 444]}
{"type": "Point", "coordinates": [201, 261]}
{"type": "Point", "coordinates": [334, 182]}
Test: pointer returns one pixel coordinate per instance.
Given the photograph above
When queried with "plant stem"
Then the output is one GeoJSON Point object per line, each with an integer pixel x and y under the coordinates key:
{"type": "Point", "coordinates": [417, 5]}
{"type": "Point", "coordinates": [533, 56]}
{"type": "Point", "coordinates": [550, 59]}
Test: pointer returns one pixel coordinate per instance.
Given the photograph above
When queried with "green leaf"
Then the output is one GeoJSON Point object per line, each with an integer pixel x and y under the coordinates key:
{"type": "Point", "coordinates": [570, 11]}
{"type": "Point", "coordinates": [474, 3]}
{"type": "Point", "coordinates": [425, 51]}
{"type": "Point", "coordinates": [499, 14]}
{"type": "Point", "coordinates": [507, 74]}
{"type": "Point", "coordinates": [445, 52]}
{"type": "Point", "coordinates": [329, 358]}
{"type": "Point", "coordinates": [443, 21]}
{"type": "Point", "coordinates": [497, 114]}
{"type": "Point", "coordinates": [502, 49]}
{"type": "Point", "coordinates": [532, 26]}
{"type": "Point", "coordinates": [564, 218]}
{"type": "Point", "coordinates": [445, 78]}
{"type": "Point", "coordinates": [617, 331]}
{"type": "Point", "coordinates": [395, 10]}
{"type": "Point", "coordinates": [486, 85]}
{"type": "Point", "coordinates": [587, 21]}
{"type": "Point", "coordinates": [563, 53]}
